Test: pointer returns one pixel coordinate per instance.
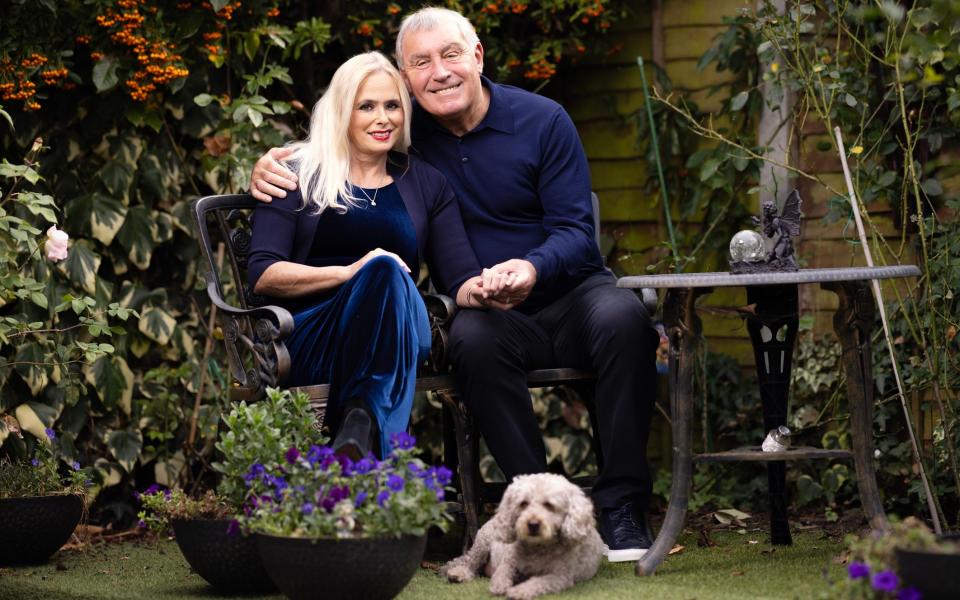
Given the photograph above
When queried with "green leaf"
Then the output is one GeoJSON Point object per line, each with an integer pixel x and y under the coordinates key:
{"type": "Point", "coordinates": [931, 187]}
{"type": "Point", "coordinates": [81, 266]}
{"type": "Point", "coordinates": [256, 117]}
{"type": "Point", "coordinates": [32, 371]}
{"type": "Point", "coordinates": [8, 170]}
{"type": "Point", "coordinates": [113, 381]}
{"type": "Point", "coordinates": [850, 100]}
{"type": "Point", "coordinates": [251, 44]}
{"type": "Point", "coordinates": [709, 168]}
{"type": "Point", "coordinates": [125, 447]}
{"type": "Point", "coordinates": [137, 235]}
{"type": "Point", "coordinates": [39, 299]}
{"type": "Point", "coordinates": [117, 177]}
{"type": "Point", "coordinates": [106, 218]}
{"type": "Point", "coordinates": [738, 101]}
{"type": "Point", "coordinates": [157, 324]}
{"type": "Point", "coordinates": [203, 99]}
{"type": "Point", "coordinates": [218, 4]}
{"type": "Point", "coordinates": [105, 74]}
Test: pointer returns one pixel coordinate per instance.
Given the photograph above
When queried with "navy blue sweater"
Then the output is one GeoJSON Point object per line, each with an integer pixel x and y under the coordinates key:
{"type": "Point", "coordinates": [523, 184]}
{"type": "Point", "coordinates": [282, 231]}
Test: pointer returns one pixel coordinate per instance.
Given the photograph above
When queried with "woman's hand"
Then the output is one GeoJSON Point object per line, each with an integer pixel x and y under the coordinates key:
{"type": "Point", "coordinates": [373, 254]}
{"type": "Point", "coordinates": [473, 295]}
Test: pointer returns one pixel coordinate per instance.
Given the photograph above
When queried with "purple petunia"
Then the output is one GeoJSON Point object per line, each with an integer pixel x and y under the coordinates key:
{"type": "Point", "coordinates": [256, 472]}
{"type": "Point", "coordinates": [402, 441]}
{"type": "Point", "coordinates": [50, 434]}
{"type": "Point", "coordinates": [364, 465]}
{"type": "Point", "coordinates": [316, 453]}
{"type": "Point", "coordinates": [361, 498]}
{"type": "Point", "coordinates": [141, 524]}
{"type": "Point", "coordinates": [858, 570]}
{"type": "Point", "coordinates": [307, 508]}
{"type": "Point", "coordinates": [346, 465]}
{"type": "Point", "coordinates": [292, 455]}
{"type": "Point", "coordinates": [233, 527]}
{"type": "Point", "coordinates": [34, 462]}
{"type": "Point", "coordinates": [395, 482]}
{"type": "Point", "coordinates": [440, 494]}
{"type": "Point", "coordinates": [444, 475]}
{"type": "Point", "coordinates": [75, 465]}
{"type": "Point", "coordinates": [909, 594]}
{"type": "Point", "coordinates": [382, 497]}
{"type": "Point", "coordinates": [885, 581]}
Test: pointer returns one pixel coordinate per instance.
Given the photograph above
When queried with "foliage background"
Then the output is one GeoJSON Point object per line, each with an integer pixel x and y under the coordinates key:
{"type": "Point", "coordinates": [143, 105]}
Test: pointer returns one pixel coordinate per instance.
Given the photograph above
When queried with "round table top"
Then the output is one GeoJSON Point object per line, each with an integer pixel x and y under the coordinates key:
{"type": "Point", "coordinates": [726, 279]}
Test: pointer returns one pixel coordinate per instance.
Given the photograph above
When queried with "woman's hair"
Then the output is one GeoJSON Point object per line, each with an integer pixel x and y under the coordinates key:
{"type": "Point", "coordinates": [433, 17]}
{"type": "Point", "coordinates": [323, 159]}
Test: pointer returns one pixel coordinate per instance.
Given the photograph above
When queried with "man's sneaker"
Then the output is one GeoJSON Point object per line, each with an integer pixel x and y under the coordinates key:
{"type": "Point", "coordinates": [625, 534]}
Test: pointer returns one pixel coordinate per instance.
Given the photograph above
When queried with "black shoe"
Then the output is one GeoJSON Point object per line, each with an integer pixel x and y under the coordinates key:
{"type": "Point", "coordinates": [358, 431]}
{"type": "Point", "coordinates": [626, 536]}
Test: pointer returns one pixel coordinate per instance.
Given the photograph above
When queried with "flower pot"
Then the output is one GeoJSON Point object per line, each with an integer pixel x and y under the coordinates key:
{"type": "Point", "coordinates": [935, 574]}
{"type": "Point", "coordinates": [32, 528]}
{"type": "Point", "coordinates": [367, 568]}
{"type": "Point", "coordinates": [229, 563]}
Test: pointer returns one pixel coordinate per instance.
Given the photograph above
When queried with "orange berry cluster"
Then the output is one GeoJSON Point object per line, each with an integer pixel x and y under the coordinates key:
{"type": "Point", "coordinates": [393, 9]}
{"type": "Point", "coordinates": [16, 82]}
{"type": "Point", "coordinates": [227, 11]}
{"type": "Point", "coordinates": [82, 40]}
{"type": "Point", "coordinates": [53, 76]}
{"type": "Point", "coordinates": [542, 69]}
{"type": "Point", "coordinates": [365, 29]}
{"type": "Point", "coordinates": [157, 64]}
{"type": "Point", "coordinates": [273, 12]}
{"type": "Point", "coordinates": [492, 8]}
{"type": "Point", "coordinates": [517, 8]}
{"type": "Point", "coordinates": [33, 61]}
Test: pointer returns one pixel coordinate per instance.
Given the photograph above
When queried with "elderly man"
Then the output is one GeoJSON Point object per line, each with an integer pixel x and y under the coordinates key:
{"type": "Point", "coordinates": [521, 176]}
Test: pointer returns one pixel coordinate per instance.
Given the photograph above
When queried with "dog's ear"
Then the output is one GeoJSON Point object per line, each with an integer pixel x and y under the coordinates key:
{"type": "Point", "coordinates": [508, 510]}
{"type": "Point", "coordinates": [579, 520]}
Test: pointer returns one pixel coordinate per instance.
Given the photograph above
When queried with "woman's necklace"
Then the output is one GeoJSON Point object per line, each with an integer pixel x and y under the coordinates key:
{"type": "Point", "coordinates": [373, 200]}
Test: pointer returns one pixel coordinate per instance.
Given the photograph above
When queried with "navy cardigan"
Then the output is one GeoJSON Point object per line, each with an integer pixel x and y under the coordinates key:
{"type": "Point", "coordinates": [283, 231]}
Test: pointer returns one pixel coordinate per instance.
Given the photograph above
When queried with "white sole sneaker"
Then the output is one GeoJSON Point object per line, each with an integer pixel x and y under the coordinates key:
{"type": "Point", "coordinates": [625, 555]}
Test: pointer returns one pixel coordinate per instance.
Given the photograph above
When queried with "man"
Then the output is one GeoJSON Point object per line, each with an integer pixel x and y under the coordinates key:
{"type": "Point", "coordinates": [521, 176]}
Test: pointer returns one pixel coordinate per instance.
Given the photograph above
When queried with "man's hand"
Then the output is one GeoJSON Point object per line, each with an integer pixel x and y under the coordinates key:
{"type": "Point", "coordinates": [509, 283]}
{"type": "Point", "coordinates": [270, 178]}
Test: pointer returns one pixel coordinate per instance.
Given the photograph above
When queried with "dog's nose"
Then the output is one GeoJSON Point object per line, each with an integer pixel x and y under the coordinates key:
{"type": "Point", "coordinates": [533, 527]}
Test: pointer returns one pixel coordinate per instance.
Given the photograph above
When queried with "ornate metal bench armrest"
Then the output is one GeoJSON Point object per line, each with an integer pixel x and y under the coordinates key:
{"type": "Point", "coordinates": [440, 310]}
{"type": "Point", "coordinates": [271, 325]}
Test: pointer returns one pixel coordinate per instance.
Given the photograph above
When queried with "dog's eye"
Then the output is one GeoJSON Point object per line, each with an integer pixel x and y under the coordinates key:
{"type": "Point", "coordinates": [524, 504]}
{"type": "Point", "coordinates": [549, 506]}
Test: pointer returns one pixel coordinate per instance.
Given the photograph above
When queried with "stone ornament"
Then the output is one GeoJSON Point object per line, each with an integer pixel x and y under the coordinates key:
{"type": "Point", "coordinates": [748, 248]}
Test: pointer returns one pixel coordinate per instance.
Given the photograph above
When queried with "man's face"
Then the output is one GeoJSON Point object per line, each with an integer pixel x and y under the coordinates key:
{"type": "Point", "coordinates": [443, 73]}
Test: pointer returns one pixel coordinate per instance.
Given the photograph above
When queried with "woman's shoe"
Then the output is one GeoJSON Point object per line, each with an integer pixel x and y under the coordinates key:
{"type": "Point", "coordinates": [357, 432]}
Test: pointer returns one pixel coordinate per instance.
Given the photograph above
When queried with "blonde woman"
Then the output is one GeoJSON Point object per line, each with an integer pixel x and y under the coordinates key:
{"type": "Point", "coordinates": [342, 252]}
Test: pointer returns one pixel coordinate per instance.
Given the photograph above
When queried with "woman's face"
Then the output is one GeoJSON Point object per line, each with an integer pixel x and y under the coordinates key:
{"type": "Point", "coordinates": [377, 117]}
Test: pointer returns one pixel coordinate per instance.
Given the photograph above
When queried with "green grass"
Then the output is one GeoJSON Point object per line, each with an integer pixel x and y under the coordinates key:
{"type": "Point", "coordinates": [733, 569]}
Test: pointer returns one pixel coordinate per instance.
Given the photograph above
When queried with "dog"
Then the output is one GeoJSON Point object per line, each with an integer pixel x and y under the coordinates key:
{"type": "Point", "coordinates": [542, 540]}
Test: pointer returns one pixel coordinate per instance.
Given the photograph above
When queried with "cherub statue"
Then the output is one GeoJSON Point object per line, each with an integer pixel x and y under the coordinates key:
{"type": "Point", "coordinates": [780, 228]}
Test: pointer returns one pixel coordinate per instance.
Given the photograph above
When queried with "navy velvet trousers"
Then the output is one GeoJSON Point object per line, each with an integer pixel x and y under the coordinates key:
{"type": "Point", "coordinates": [366, 342]}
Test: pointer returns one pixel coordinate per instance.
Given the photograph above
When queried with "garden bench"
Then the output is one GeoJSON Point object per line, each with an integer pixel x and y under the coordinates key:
{"type": "Point", "coordinates": [254, 334]}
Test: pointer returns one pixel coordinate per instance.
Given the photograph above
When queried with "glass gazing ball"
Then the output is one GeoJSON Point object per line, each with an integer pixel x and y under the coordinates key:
{"type": "Point", "coordinates": [747, 246]}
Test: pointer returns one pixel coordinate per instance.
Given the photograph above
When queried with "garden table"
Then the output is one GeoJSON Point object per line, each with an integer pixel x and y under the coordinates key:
{"type": "Point", "coordinates": [772, 315]}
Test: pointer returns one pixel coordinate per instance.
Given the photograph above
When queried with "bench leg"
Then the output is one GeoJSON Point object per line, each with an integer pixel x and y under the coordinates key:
{"type": "Point", "coordinates": [468, 461]}
{"type": "Point", "coordinates": [683, 327]}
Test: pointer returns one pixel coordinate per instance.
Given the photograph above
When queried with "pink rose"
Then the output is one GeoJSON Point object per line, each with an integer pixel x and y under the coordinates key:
{"type": "Point", "coordinates": [56, 244]}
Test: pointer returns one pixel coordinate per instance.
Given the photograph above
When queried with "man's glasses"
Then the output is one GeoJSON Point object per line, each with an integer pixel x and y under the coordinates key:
{"type": "Point", "coordinates": [449, 57]}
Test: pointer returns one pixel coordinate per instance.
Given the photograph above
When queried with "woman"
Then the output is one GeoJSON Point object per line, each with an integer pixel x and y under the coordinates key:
{"type": "Point", "coordinates": [343, 252]}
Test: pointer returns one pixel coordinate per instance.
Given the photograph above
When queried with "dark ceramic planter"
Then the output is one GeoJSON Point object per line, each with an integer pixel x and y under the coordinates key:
{"type": "Point", "coordinates": [229, 563]}
{"type": "Point", "coordinates": [936, 575]}
{"type": "Point", "coordinates": [359, 569]}
{"type": "Point", "coordinates": [34, 527]}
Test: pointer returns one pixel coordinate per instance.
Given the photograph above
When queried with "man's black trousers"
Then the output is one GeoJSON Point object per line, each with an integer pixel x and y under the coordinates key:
{"type": "Point", "coordinates": [595, 326]}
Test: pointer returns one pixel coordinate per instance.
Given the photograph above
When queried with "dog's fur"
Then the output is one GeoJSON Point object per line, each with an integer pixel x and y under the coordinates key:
{"type": "Point", "coordinates": [542, 540]}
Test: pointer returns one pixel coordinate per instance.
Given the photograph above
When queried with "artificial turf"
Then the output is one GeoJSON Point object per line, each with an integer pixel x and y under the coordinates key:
{"type": "Point", "coordinates": [740, 565]}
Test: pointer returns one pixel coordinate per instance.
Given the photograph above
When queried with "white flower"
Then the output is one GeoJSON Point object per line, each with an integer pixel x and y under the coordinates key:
{"type": "Point", "coordinates": [56, 244]}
